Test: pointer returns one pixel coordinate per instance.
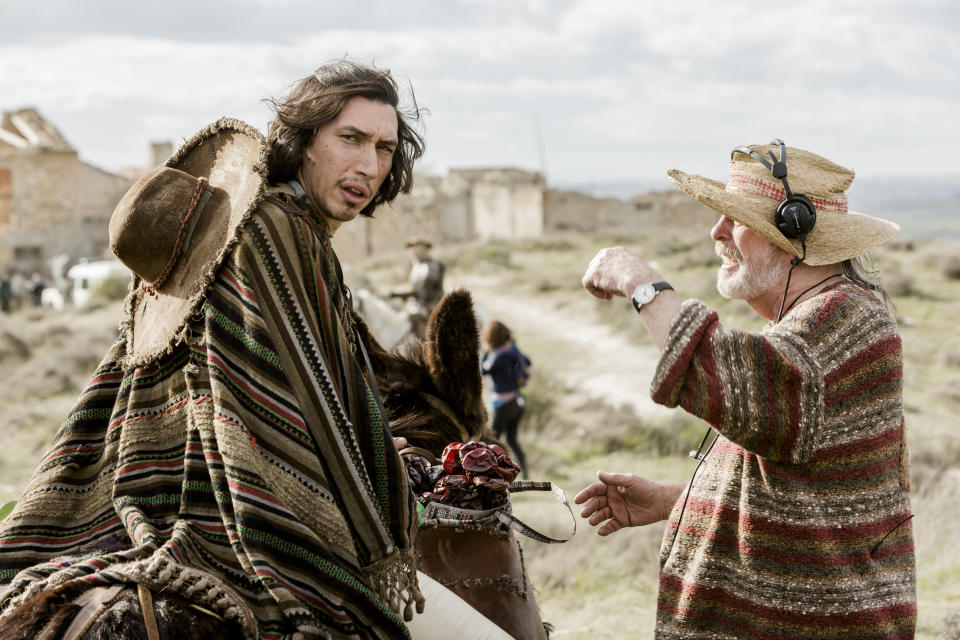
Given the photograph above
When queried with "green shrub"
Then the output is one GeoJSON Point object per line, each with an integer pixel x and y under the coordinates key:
{"type": "Point", "coordinates": [539, 395]}
{"type": "Point", "coordinates": [951, 268]}
{"type": "Point", "coordinates": [899, 284]}
{"type": "Point", "coordinates": [111, 289]}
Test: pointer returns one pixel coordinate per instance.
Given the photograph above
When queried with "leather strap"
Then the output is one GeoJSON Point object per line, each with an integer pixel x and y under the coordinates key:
{"type": "Point", "coordinates": [146, 610]}
{"type": "Point", "coordinates": [423, 453]}
{"type": "Point", "coordinates": [448, 515]}
{"type": "Point", "coordinates": [518, 525]}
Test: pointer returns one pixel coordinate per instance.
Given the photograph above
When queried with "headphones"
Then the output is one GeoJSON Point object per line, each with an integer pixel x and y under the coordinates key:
{"type": "Point", "coordinates": [795, 215]}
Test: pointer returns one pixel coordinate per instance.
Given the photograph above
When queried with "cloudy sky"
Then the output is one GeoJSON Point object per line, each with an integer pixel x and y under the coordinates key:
{"type": "Point", "coordinates": [592, 90]}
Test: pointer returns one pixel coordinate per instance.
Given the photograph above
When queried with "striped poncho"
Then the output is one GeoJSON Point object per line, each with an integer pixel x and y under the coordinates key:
{"type": "Point", "coordinates": [797, 523]}
{"type": "Point", "coordinates": [249, 468]}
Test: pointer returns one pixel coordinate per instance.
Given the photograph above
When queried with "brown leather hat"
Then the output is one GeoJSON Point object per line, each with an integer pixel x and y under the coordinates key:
{"type": "Point", "coordinates": [177, 223]}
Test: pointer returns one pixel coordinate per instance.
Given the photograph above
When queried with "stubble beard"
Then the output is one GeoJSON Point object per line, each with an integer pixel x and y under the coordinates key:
{"type": "Point", "coordinates": [346, 213]}
{"type": "Point", "coordinates": [750, 281]}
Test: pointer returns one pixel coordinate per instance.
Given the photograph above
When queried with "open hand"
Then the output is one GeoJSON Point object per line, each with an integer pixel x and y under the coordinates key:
{"type": "Point", "coordinates": [625, 500]}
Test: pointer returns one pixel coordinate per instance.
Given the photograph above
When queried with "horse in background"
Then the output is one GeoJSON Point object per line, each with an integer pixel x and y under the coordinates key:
{"type": "Point", "coordinates": [391, 327]}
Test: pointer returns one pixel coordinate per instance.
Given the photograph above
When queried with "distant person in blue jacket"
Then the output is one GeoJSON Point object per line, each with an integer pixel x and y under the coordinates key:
{"type": "Point", "coordinates": [507, 367]}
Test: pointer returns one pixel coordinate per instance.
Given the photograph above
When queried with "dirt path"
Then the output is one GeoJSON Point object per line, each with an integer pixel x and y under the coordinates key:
{"type": "Point", "coordinates": [585, 354]}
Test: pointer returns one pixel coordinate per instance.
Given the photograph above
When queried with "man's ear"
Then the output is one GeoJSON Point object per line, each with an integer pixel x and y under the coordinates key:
{"type": "Point", "coordinates": [451, 352]}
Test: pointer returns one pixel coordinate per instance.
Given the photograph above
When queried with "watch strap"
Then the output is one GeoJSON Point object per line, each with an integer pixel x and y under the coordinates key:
{"type": "Point", "coordinates": [660, 286]}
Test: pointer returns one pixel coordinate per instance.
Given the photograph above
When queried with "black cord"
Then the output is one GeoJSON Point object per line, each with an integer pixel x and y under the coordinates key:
{"type": "Point", "coordinates": [836, 275]}
{"type": "Point", "coordinates": [690, 486]}
{"type": "Point", "coordinates": [877, 546]}
{"type": "Point", "coordinates": [793, 263]}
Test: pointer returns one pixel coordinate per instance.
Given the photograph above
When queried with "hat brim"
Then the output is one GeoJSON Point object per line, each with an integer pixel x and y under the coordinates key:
{"type": "Point", "coordinates": [233, 156]}
{"type": "Point", "coordinates": [835, 236]}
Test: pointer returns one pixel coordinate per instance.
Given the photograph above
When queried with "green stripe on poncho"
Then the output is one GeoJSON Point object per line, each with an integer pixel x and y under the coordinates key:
{"type": "Point", "coordinates": [254, 452]}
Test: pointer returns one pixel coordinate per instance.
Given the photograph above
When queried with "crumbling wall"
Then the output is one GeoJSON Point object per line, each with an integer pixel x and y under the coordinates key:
{"type": "Point", "coordinates": [56, 204]}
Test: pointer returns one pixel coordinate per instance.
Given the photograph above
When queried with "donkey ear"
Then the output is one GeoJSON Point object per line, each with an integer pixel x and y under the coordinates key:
{"type": "Point", "coordinates": [452, 356]}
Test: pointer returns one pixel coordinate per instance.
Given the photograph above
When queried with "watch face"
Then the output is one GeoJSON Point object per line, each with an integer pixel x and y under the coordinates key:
{"type": "Point", "coordinates": [643, 294]}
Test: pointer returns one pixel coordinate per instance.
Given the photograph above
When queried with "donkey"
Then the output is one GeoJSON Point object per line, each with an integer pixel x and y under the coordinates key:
{"type": "Point", "coordinates": [432, 394]}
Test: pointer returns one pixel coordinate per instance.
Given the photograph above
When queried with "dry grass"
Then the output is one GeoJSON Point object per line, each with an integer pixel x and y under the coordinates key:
{"type": "Point", "coordinates": [614, 579]}
{"type": "Point", "coordinates": [571, 431]}
{"type": "Point", "coordinates": [46, 358]}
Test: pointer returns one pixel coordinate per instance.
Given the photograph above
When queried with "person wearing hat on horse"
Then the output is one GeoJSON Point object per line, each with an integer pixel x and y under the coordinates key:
{"type": "Point", "coordinates": [796, 522]}
{"type": "Point", "coordinates": [425, 284]}
{"type": "Point", "coordinates": [231, 456]}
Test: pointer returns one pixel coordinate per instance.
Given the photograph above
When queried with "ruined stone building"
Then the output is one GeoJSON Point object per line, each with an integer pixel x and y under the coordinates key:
{"type": "Point", "coordinates": [54, 204]}
{"type": "Point", "coordinates": [465, 204]}
{"type": "Point", "coordinates": [51, 202]}
{"type": "Point", "coordinates": [505, 203]}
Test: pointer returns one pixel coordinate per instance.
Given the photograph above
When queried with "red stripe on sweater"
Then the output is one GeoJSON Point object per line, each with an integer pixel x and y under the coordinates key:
{"type": "Point", "coordinates": [892, 377]}
{"type": "Point", "coordinates": [675, 377]}
{"type": "Point", "coordinates": [819, 533]}
{"type": "Point", "coordinates": [856, 363]}
{"type": "Point", "coordinates": [783, 400]}
{"type": "Point", "coordinates": [707, 599]}
{"type": "Point", "coordinates": [714, 408]}
{"type": "Point", "coordinates": [783, 558]}
{"type": "Point", "coordinates": [862, 446]}
{"type": "Point", "coordinates": [866, 472]}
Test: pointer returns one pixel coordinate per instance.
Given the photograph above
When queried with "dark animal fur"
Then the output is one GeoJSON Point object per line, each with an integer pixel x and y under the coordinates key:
{"type": "Point", "coordinates": [123, 620]}
{"type": "Point", "coordinates": [446, 364]}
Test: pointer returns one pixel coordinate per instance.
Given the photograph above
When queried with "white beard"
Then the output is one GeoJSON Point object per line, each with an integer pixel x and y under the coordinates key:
{"type": "Point", "coordinates": [749, 282]}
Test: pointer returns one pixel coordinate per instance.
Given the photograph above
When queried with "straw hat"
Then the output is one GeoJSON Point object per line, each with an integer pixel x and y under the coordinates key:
{"type": "Point", "coordinates": [177, 223]}
{"type": "Point", "coordinates": [752, 195]}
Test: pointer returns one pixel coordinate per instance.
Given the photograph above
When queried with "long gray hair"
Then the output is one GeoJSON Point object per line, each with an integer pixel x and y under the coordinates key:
{"type": "Point", "coordinates": [861, 270]}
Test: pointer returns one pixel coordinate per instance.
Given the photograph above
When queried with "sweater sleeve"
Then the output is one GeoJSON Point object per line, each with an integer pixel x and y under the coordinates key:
{"type": "Point", "coordinates": [763, 392]}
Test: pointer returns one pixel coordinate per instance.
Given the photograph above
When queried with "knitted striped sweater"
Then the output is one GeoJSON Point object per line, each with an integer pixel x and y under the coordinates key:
{"type": "Point", "coordinates": [795, 526]}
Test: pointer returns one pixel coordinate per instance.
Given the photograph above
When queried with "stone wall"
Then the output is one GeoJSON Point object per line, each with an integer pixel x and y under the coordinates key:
{"type": "Point", "coordinates": [478, 204]}
{"type": "Point", "coordinates": [464, 205]}
{"type": "Point", "coordinates": [56, 204]}
{"type": "Point", "coordinates": [419, 213]}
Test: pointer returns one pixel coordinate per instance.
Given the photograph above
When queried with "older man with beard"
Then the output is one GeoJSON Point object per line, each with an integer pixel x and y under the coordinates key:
{"type": "Point", "coordinates": [796, 521]}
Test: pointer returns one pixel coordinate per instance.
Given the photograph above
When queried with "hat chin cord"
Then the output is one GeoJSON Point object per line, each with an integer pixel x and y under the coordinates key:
{"type": "Point", "coordinates": [793, 263]}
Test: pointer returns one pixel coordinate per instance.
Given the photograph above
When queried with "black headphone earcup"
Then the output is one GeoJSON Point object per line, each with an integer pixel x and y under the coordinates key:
{"type": "Point", "coordinates": [795, 217]}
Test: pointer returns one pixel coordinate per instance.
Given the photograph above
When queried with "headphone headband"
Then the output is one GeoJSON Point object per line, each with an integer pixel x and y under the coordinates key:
{"type": "Point", "coordinates": [795, 215]}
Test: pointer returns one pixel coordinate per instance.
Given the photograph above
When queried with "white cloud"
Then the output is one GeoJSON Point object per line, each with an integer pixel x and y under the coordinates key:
{"type": "Point", "coordinates": [614, 83]}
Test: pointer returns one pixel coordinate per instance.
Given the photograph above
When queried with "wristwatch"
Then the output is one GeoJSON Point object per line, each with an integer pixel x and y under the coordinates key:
{"type": "Point", "coordinates": [645, 293]}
